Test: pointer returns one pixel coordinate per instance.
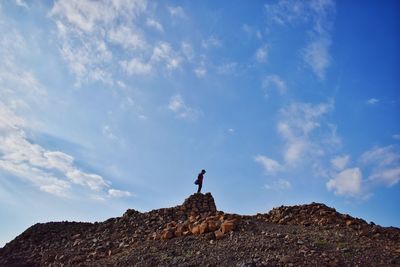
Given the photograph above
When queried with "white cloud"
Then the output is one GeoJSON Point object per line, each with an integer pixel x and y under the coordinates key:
{"type": "Point", "coordinates": [318, 14]}
{"type": "Point", "coordinates": [21, 3]}
{"type": "Point", "coordinates": [118, 193]}
{"type": "Point", "coordinates": [296, 126]}
{"type": "Point", "coordinates": [176, 103]}
{"type": "Point", "coordinates": [19, 85]}
{"type": "Point", "coordinates": [340, 162]}
{"type": "Point", "coordinates": [211, 42]}
{"type": "Point", "coordinates": [87, 61]}
{"type": "Point", "coordinates": [51, 171]}
{"type": "Point", "coordinates": [86, 15]}
{"type": "Point", "coordinates": [200, 71]}
{"type": "Point", "coordinates": [385, 163]}
{"type": "Point", "coordinates": [317, 56]}
{"type": "Point", "coordinates": [251, 32]}
{"type": "Point", "coordinates": [153, 23]}
{"type": "Point", "coordinates": [347, 183]}
{"type": "Point", "coordinates": [396, 136]}
{"type": "Point", "coordinates": [86, 30]}
{"type": "Point", "coordinates": [178, 106]}
{"type": "Point", "coordinates": [106, 130]}
{"type": "Point", "coordinates": [127, 37]}
{"type": "Point", "coordinates": [269, 165]}
{"type": "Point", "coordinates": [227, 68]}
{"type": "Point", "coordinates": [381, 156]}
{"type": "Point", "coordinates": [187, 50]}
{"type": "Point", "coordinates": [262, 53]}
{"type": "Point", "coordinates": [279, 185]}
{"type": "Point", "coordinates": [176, 11]}
{"type": "Point", "coordinates": [372, 101]}
{"type": "Point", "coordinates": [135, 66]}
{"type": "Point", "coordinates": [286, 12]}
{"type": "Point", "coordinates": [164, 53]}
{"type": "Point", "coordinates": [274, 82]}
{"type": "Point", "coordinates": [93, 181]}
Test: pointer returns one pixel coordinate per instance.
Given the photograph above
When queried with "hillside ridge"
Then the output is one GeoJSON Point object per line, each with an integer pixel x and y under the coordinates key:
{"type": "Point", "coordinates": [195, 233]}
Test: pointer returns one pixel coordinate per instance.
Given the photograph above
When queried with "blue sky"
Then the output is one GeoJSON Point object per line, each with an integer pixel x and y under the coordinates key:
{"type": "Point", "coordinates": [108, 105]}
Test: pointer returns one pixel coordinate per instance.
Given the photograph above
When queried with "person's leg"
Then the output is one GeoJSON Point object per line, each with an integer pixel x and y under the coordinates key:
{"type": "Point", "coordinates": [199, 189]}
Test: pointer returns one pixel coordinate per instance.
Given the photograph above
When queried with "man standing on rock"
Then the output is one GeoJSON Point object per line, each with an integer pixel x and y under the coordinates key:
{"type": "Point", "coordinates": [199, 180]}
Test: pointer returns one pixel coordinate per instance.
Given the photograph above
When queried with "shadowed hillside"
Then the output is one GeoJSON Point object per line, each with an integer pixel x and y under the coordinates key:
{"type": "Point", "coordinates": [197, 234]}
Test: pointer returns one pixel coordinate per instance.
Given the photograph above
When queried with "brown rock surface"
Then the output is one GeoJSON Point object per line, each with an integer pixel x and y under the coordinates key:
{"type": "Point", "coordinates": [304, 235]}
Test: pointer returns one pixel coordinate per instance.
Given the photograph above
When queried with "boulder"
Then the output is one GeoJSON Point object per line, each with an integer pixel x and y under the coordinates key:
{"type": "Point", "coordinates": [195, 230]}
{"type": "Point", "coordinates": [218, 234]}
{"type": "Point", "coordinates": [227, 226]}
{"type": "Point", "coordinates": [203, 227]}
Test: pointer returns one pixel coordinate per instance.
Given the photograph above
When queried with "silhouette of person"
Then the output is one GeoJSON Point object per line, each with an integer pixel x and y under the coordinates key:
{"type": "Point", "coordinates": [200, 180]}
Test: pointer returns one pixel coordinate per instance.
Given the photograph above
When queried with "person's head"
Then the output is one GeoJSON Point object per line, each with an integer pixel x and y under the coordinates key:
{"type": "Point", "coordinates": [203, 171]}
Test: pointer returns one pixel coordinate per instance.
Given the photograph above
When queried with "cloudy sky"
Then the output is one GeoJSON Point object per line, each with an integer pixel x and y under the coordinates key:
{"type": "Point", "coordinates": [114, 104]}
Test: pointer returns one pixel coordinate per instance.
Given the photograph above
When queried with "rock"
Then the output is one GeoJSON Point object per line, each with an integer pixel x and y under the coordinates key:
{"type": "Point", "coordinates": [227, 226]}
{"type": "Point", "coordinates": [203, 228]}
{"type": "Point", "coordinates": [75, 236]}
{"type": "Point", "coordinates": [218, 234]}
{"type": "Point", "coordinates": [212, 226]}
{"type": "Point", "coordinates": [167, 234]}
{"type": "Point", "coordinates": [164, 237]}
{"type": "Point", "coordinates": [195, 230]}
{"type": "Point", "coordinates": [285, 259]}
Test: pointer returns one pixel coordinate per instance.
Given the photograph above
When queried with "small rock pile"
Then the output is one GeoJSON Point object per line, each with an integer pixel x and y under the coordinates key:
{"type": "Point", "coordinates": [312, 214]}
{"type": "Point", "coordinates": [198, 203]}
{"type": "Point", "coordinates": [214, 226]}
{"type": "Point", "coordinates": [194, 205]}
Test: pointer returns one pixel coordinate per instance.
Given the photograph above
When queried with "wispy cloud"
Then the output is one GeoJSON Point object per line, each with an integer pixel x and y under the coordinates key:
{"type": "Point", "coordinates": [187, 50]}
{"type": "Point", "coordinates": [51, 171]}
{"type": "Point", "coordinates": [250, 31]}
{"type": "Point", "coordinates": [319, 14]}
{"type": "Point", "coordinates": [211, 42]}
{"type": "Point", "coordinates": [164, 53]}
{"type": "Point", "coordinates": [340, 162]}
{"type": "Point", "coordinates": [385, 163]}
{"type": "Point", "coordinates": [262, 54]}
{"type": "Point", "coordinates": [381, 164]}
{"type": "Point", "coordinates": [88, 31]}
{"type": "Point", "coordinates": [21, 3]}
{"type": "Point", "coordinates": [119, 193]}
{"type": "Point", "coordinates": [200, 71]}
{"type": "Point", "coordinates": [269, 165]}
{"type": "Point", "coordinates": [298, 122]}
{"type": "Point", "coordinates": [274, 82]}
{"type": "Point", "coordinates": [178, 106]}
{"type": "Point", "coordinates": [372, 101]}
{"type": "Point", "coordinates": [127, 37]}
{"type": "Point", "coordinates": [153, 23]}
{"type": "Point", "coordinates": [346, 183]}
{"type": "Point", "coordinates": [316, 55]}
{"type": "Point", "coordinates": [227, 68]}
{"type": "Point", "coordinates": [279, 185]}
{"type": "Point", "coordinates": [136, 67]}
{"type": "Point", "coordinates": [177, 11]}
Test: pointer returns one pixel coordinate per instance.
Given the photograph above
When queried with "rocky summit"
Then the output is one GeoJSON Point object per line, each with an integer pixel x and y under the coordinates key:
{"type": "Point", "coordinates": [197, 234]}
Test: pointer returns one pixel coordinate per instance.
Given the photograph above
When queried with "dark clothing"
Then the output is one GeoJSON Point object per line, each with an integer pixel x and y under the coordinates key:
{"type": "Point", "coordinates": [200, 186]}
{"type": "Point", "coordinates": [200, 181]}
{"type": "Point", "coordinates": [200, 178]}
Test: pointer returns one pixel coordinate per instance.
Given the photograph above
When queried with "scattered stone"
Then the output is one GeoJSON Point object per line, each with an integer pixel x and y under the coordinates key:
{"type": "Point", "coordinates": [196, 234]}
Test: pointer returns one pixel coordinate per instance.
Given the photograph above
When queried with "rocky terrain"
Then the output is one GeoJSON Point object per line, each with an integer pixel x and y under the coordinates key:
{"type": "Point", "coordinates": [197, 234]}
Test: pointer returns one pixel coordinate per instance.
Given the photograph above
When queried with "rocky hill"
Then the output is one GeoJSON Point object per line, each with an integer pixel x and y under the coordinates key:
{"type": "Point", "coordinates": [197, 234]}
